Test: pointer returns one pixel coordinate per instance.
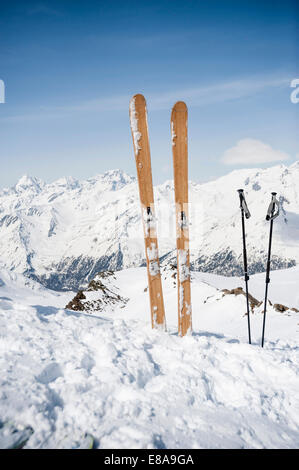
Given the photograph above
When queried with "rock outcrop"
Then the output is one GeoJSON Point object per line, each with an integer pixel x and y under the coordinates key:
{"type": "Point", "coordinates": [101, 293]}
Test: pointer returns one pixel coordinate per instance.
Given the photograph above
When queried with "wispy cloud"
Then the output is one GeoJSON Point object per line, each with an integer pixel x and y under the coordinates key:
{"type": "Point", "coordinates": [251, 152]}
{"type": "Point", "coordinates": [44, 9]}
{"type": "Point", "coordinates": [194, 97]}
{"type": "Point", "coordinates": [219, 92]}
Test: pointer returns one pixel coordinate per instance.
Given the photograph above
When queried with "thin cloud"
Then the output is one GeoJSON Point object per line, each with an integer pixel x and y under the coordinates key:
{"type": "Point", "coordinates": [43, 8]}
{"type": "Point", "coordinates": [194, 97]}
{"type": "Point", "coordinates": [216, 93]}
{"type": "Point", "coordinates": [251, 151]}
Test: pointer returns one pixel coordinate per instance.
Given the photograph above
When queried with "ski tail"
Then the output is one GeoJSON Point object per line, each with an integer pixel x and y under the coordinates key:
{"type": "Point", "coordinates": [139, 128]}
{"type": "Point", "coordinates": [179, 134]}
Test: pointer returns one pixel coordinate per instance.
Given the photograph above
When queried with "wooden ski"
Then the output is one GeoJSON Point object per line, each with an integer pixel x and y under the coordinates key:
{"type": "Point", "coordinates": [179, 117]}
{"type": "Point", "coordinates": [139, 128]}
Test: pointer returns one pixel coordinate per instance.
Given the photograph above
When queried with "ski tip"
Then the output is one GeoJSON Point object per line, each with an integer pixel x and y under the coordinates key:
{"type": "Point", "coordinates": [138, 99]}
{"type": "Point", "coordinates": [180, 106]}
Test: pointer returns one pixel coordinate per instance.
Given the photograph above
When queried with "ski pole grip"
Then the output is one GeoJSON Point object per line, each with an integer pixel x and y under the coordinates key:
{"type": "Point", "coordinates": [271, 214]}
{"type": "Point", "coordinates": [241, 195]}
{"type": "Point", "coordinates": [243, 204]}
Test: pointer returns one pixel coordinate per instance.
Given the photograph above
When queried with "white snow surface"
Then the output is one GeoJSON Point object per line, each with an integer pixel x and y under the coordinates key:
{"type": "Point", "coordinates": [134, 126]}
{"type": "Point", "coordinates": [65, 373]}
{"type": "Point", "coordinates": [67, 226]}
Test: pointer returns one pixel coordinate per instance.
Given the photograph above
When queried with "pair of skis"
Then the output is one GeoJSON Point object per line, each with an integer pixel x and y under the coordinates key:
{"type": "Point", "coordinates": [139, 128]}
{"type": "Point", "coordinates": [272, 213]}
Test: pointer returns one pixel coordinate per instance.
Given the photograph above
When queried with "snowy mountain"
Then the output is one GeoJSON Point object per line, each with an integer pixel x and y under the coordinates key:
{"type": "Point", "coordinates": [63, 233]}
{"type": "Point", "coordinates": [66, 373]}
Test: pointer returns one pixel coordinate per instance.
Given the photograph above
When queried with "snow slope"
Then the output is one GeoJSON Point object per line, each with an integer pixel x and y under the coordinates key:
{"type": "Point", "coordinates": [65, 373]}
{"type": "Point", "coordinates": [64, 232]}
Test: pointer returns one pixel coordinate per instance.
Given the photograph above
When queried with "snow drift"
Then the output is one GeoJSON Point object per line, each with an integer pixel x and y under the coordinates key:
{"type": "Point", "coordinates": [65, 373]}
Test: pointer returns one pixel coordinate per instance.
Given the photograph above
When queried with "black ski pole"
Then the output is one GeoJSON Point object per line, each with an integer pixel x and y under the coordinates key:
{"type": "Point", "coordinates": [271, 215]}
{"type": "Point", "coordinates": [245, 211]}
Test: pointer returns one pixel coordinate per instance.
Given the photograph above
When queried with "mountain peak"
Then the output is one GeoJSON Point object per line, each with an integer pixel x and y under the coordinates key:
{"type": "Point", "coordinates": [29, 182]}
{"type": "Point", "coordinates": [117, 178]}
{"type": "Point", "coordinates": [118, 174]}
{"type": "Point", "coordinates": [67, 181]}
{"type": "Point", "coordinates": [295, 164]}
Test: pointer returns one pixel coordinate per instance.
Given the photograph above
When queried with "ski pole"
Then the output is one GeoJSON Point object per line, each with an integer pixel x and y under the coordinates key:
{"type": "Point", "coordinates": [271, 215]}
{"type": "Point", "coordinates": [245, 211]}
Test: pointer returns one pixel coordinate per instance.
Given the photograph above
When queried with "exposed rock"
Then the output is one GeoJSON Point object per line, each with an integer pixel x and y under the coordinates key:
{"type": "Point", "coordinates": [255, 303]}
{"type": "Point", "coordinates": [76, 303]}
{"type": "Point", "coordinates": [98, 295]}
{"type": "Point", "coordinates": [283, 308]}
{"type": "Point", "coordinates": [239, 291]}
{"type": "Point", "coordinates": [280, 307]}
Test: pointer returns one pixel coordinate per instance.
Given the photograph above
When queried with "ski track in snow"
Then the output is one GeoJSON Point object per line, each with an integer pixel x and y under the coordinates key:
{"type": "Point", "coordinates": [109, 374]}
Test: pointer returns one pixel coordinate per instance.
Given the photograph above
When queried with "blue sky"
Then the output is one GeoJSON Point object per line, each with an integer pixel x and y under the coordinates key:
{"type": "Point", "coordinates": [70, 68]}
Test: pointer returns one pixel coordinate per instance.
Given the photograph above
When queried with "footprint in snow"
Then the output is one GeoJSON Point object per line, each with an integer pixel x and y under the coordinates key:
{"type": "Point", "coordinates": [87, 362]}
{"type": "Point", "coordinates": [6, 303]}
{"type": "Point", "coordinates": [50, 373]}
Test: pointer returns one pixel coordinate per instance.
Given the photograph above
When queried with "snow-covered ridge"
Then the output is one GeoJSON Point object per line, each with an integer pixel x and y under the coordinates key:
{"type": "Point", "coordinates": [28, 185]}
{"type": "Point", "coordinates": [64, 232]}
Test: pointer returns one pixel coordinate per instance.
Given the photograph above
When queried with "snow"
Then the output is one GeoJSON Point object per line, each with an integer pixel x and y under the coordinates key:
{"type": "Point", "coordinates": [149, 222]}
{"type": "Point", "coordinates": [134, 126]}
{"type": "Point", "coordinates": [173, 134]}
{"type": "Point", "coordinates": [184, 271]}
{"type": "Point", "coordinates": [27, 182]}
{"type": "Point", "coordinates": [152, 252]}
{"type": "Point", "coordinates": [65, 373]}
{"type": "Point", "coordinates": [154, 268]}
{"type": "Point", "coordinates": [181, 298]}
{"type": "Point", "coordinates": [57, 231]}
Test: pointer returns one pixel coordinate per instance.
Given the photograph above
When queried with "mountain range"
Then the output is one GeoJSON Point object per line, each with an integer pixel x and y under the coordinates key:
{"type": "Point", "coordinates": [65, 232]}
